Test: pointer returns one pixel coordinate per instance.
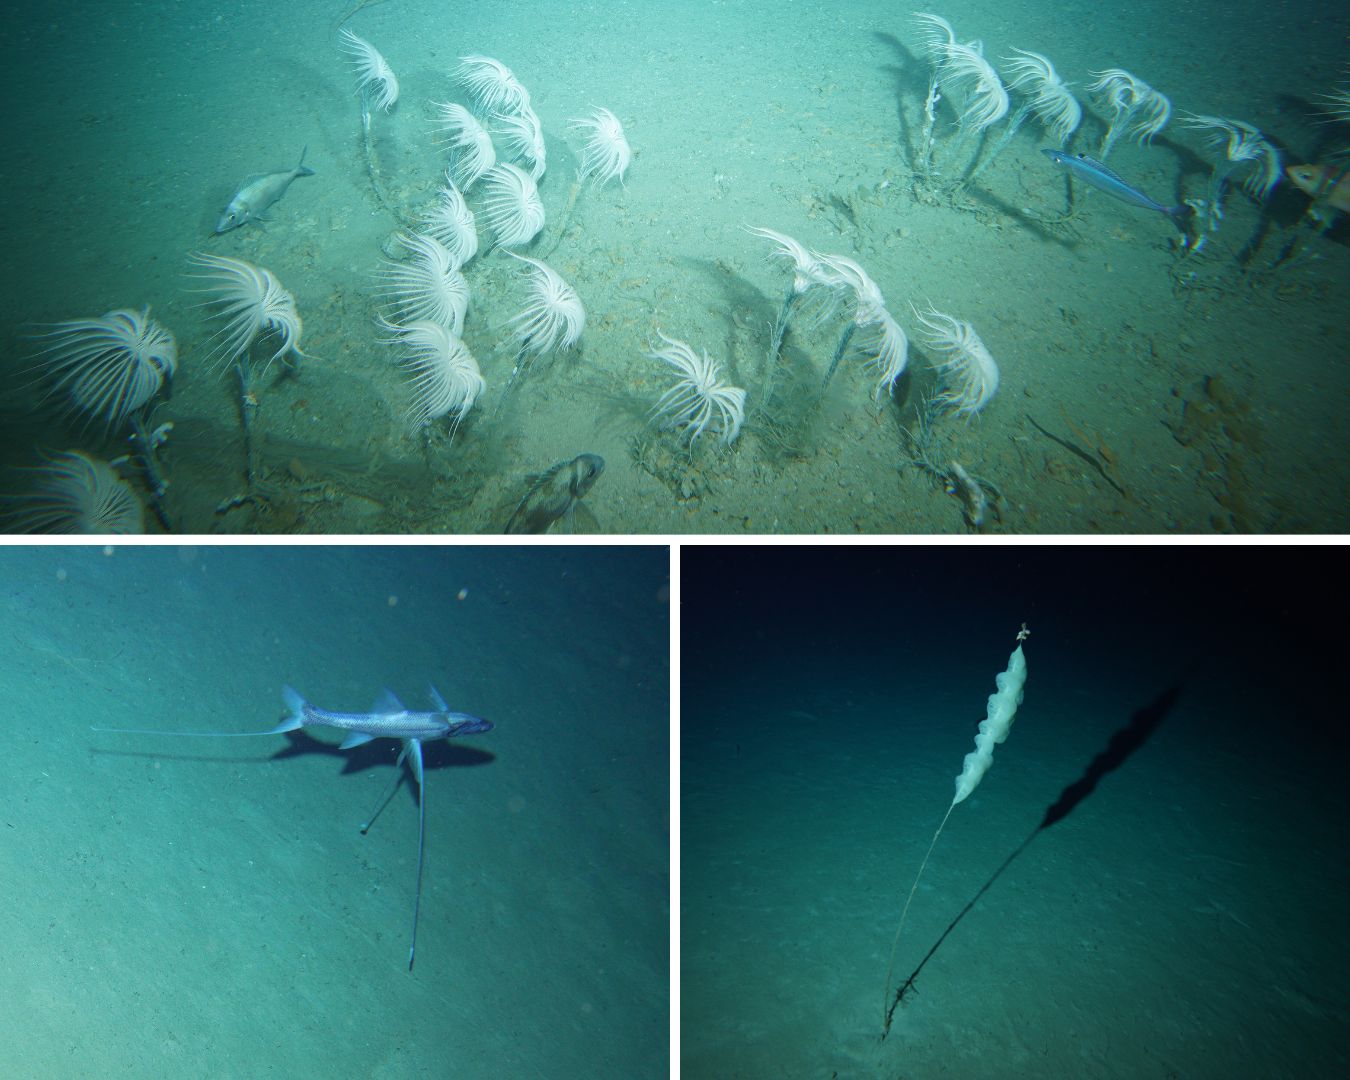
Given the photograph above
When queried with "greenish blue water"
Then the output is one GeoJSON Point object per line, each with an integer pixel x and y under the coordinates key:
{"type": "Point", "coordinates": [209, 907]}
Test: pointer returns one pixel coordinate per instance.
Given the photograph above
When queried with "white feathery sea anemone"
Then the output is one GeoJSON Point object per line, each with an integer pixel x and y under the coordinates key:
{"type": "Point", "coordinates": [1135, 106]}
{"type": "Point", "coordinates": [524, 136]}
{"type": "Point", "coordinates": [469, 142]}
{"type": "Point", "coordinates": [375, 81]}
{"type": "Point", "coordinates": [1048, 94]}
{"type": "Point", "coordinates": [699, 402]}
{"type": "Point", "coordinates": [935, 34]}
{"type": "Point", "coordinates": [511, 205]}
{"type": "Point", "coordinates": [108, 367]}
{"type": "Point", "coordinates": [554, 317]}
{"type": "Point", "coordinates": [815, 284]}
{"type": "Point", "coordinates": [887, 347]}
{"type": "Point", "coordinates": [969, 374]}
{"type": "Point", "coordinates": [843, 273]}
{"type": "Point", "coordinates": [606, 154]}
{"type": "Point", "coordinates": [445, 376]}
{"type": "Point", "coordinates": [1242, 143]}
{"type": "Point", "coordinates": [75, 493]}
{"type": "Point", "coordinates": [885, 341]}
{"type": "Point", "coordinates": [492, 86]}
{"type": "Point", "coordinates": [807, 269]}
{"type": "Point", "coordinates": [251, 301]}
{"type": "Point", "coordinates": [451, 222]}
{"type": "Point", "coordinates": [965, 68]}
{"type": "Point", "coordinates": [428, 284]}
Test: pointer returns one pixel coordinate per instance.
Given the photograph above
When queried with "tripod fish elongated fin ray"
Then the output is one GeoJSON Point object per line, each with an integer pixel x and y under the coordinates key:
{"type": "Point", "coordinates": [390, 720]}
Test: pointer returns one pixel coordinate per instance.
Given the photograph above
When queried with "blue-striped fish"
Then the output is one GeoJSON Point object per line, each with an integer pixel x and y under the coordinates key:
{"type": "Point", "coordinates": [1091, 171]}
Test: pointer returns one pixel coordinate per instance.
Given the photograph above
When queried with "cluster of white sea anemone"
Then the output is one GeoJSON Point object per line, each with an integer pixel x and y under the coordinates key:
{"type": "Point", "coordinates": [968, 374]}
{"type": "Point", "coordinates": [498, 156]}
{"type": "Point", "coordinates": [962, 76]}
{"type": "Point", "coordinates": [110, 372]}
{"type": "Point", "coordinates": [822, 282]}
{"type": "Point", "coordinates": [105, 373]}
{"type": "Point", "coordinates": [427, 298]}
{"type": "Point", "coordinates": [962, 79]}
{"type": "Point", "coordinates": [701, 402]}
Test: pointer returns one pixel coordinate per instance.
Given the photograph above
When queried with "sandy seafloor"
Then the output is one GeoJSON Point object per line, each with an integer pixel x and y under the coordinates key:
{"type": "Point", "coordinates": [1181, 917]}
{"type": "Point", "coordinates": [209, 907]}
{"type": "Point", "coordinates": [1140, 392]}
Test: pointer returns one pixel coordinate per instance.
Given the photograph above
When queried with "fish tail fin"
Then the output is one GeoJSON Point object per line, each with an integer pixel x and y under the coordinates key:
{"type": "Point", "coordinates": [300, 165]}
{"type": "Point", "coordinates": [296, 704]}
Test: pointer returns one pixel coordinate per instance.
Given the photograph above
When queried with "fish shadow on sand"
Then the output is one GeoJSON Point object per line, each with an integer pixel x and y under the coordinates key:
{"type": "Point", "coordinates": [439, 754]}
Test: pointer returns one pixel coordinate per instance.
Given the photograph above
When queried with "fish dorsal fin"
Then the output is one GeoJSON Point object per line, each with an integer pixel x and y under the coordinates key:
{"type": "Point", "coordinates": [437, 700]}
{"type": "Point", "coordinates": [386, 703]}
{"type": "Point", "coordinates": [1103, 169]}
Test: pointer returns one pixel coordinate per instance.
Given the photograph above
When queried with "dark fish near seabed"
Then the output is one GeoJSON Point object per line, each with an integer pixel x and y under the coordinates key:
{"type": "Point", "coordinates": [555, 494]}
{"type": "Point", "coordinates": [1091, 171]}
{"type": "Point", "coordinates": [257, 193]}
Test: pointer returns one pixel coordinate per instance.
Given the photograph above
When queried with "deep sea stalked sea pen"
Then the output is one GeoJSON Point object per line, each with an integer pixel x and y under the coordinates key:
{"type": "Point", "coordinates": [606, 155]}
{"type": "Point", "coordinates": [492, 85]}
{"type": "Point", "coordinates": [935, 34]}
{"type": "Point", "coordinates": [524, 138]}
{"type": "Point", "coordinates": [965, 71]}
{"type": "Point", "coordinates": [1000, 710]}
{"type": "Point", "coordinates": [810, 277]}
{"type": "Point", "coordinates": [452, 223]}
{"type": "Point", "coordinates": [886, 344]}
{"type": "Point", "coordinates": [377, 85]}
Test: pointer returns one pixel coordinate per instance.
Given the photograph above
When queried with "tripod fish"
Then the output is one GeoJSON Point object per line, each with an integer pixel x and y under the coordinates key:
{"type": "Point", "coordinates": [1091, 171]}
{"type": "Point", "coordinates": [389, 720]}
{"type": "Point", "coordinates": [257, 193]}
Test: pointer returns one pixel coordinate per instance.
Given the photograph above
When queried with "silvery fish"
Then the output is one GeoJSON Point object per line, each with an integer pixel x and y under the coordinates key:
{"type": "Point", "coordinates": [555, 494]}
{"type": "Point", "coordinates": [1091, 171]}
{"type": "Point", "coordinates": [257, 193]}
